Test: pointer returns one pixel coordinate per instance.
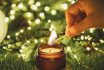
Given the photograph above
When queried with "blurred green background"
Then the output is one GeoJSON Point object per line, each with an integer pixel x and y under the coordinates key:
{"type": "Point", "coordinates": [30, 23]}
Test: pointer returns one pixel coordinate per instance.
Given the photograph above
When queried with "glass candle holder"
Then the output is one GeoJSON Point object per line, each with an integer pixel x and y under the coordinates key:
{"type": "Point", "coordinates": [50, 57]}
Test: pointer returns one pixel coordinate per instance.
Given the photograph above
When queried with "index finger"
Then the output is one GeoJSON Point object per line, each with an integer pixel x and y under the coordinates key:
{"type": "Point", "coordinates": [71, 14]}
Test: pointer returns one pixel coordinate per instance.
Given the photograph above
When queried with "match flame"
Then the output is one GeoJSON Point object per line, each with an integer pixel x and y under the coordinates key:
{"type": "Point", "coordinates": [52, 38]}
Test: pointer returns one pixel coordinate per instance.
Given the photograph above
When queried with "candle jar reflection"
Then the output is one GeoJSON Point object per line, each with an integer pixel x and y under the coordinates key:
{"type": "Point", "coordinates": [50, 57]}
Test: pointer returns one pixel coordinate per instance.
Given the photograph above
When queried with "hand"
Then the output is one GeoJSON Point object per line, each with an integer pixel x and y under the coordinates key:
{"type": "Point", "coordinates": [83, 15]}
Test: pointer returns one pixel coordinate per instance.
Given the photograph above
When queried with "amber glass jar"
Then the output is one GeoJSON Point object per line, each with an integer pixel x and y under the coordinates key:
{"type": "Point", "coordinates": [50, 57]}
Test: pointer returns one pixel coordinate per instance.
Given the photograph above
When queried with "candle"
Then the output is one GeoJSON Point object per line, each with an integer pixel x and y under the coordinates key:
{"type": "Point", "coordinates": [51, 50]}
{"type": "Point", "coordinates": [50, 57]}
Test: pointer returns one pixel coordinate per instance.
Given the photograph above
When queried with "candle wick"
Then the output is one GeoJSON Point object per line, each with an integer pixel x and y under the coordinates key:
{"type": "Point", "coordinates": [50, 50]}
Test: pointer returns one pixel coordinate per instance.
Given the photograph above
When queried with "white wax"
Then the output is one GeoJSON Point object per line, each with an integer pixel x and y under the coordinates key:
{"type": "Point", "coordinates": [51, 50]}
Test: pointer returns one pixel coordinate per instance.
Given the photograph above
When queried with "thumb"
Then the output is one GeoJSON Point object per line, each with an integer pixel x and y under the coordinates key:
{"type": "Point", "coordinates": [79, 27]}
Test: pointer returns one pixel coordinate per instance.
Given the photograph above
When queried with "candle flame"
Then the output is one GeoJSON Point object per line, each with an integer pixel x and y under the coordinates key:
{"type": "Point", "coordinates": [52, 38]}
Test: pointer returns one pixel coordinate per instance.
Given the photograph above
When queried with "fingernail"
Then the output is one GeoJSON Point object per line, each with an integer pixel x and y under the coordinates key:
{"type": "Point", "coordinates": [73, 30]}
{"type": "Point", "coordinates": [68, 33]}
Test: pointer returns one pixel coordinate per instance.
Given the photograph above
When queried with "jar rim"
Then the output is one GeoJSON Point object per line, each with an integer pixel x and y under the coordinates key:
{"type": "Point", "coordinates": [43, 46]}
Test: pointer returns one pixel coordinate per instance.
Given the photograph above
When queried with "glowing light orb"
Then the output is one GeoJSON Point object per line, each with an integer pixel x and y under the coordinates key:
{"type": "Point", "coordinates": [53, 12]}
{"type": "Point", "coordinates": [38, 4]}
{"type": "Point", "coordinates": [34, 7]}
{"type": "Point", "coordinates": [3, 26]}
{"type": "Point", "coordinates": [46, 8]}
{"type": "Point", "coordinates": [37, 21]}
